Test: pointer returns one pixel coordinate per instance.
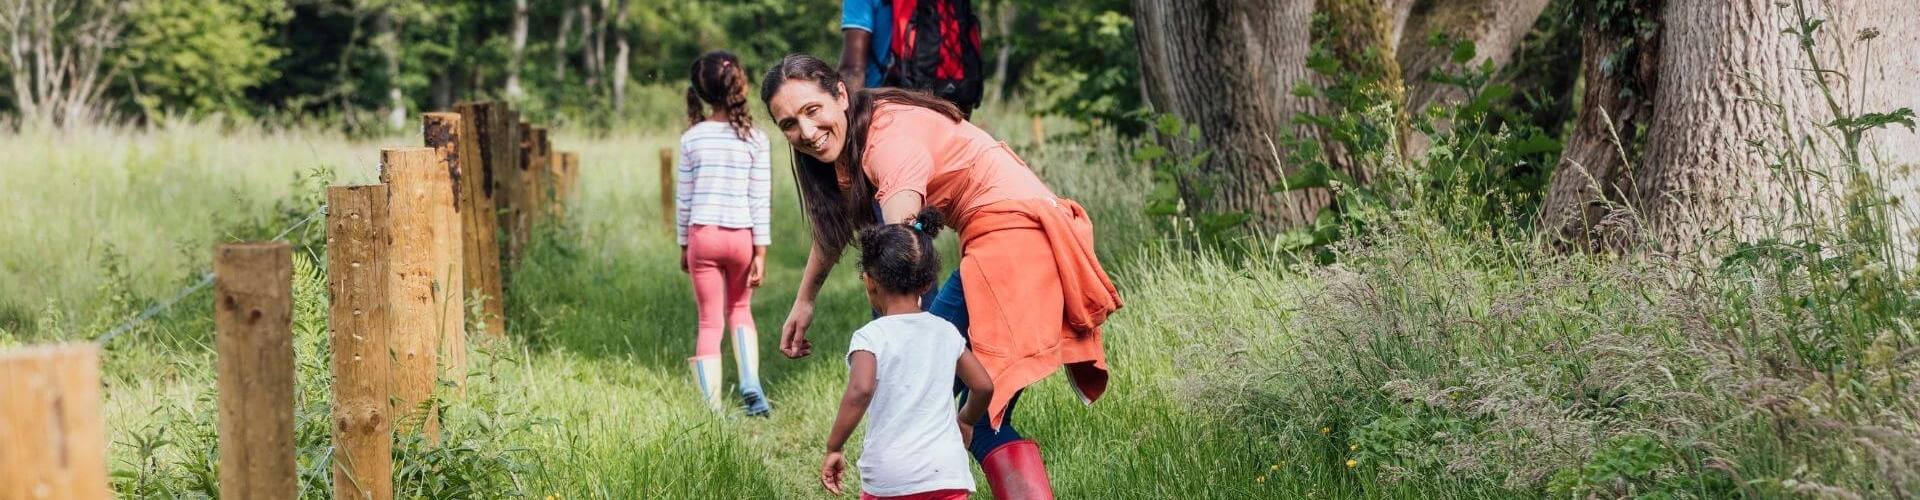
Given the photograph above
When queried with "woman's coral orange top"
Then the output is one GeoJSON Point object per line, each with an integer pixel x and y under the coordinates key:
{"type": "Point", "coordinates": [1036, 295]}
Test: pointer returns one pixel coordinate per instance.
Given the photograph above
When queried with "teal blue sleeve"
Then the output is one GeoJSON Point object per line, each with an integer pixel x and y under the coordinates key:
{"type": "Point", "coordinates": [858, 14]}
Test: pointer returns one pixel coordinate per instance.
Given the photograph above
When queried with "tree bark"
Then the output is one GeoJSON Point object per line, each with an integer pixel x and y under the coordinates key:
{"type": "Point", "coordinates": [588, 35]}
{"type": "Point", "coordinates": [518, 55]}
{"type": "Point", "coordinates": [620, 56]}
{"type": "Point", "coordinates": [57, 57]}
{"type": "Point", "coordinates": [1700, 177]}
{"type": "Point", "coordinates": [1496, 28]}
{"type": "Point", "coordinates": [1585, 205]}
{"type": "Point", "coordinates": [560, 45]}
{"type": "Point", "coordinates": [1359, 33]}
{"type": "Point", "coordinates": [1242, 109]}
{"type": "Point", "coordinates": [1003, 15]}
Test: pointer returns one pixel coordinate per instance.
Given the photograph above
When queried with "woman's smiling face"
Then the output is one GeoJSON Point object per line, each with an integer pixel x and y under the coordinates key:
{"type": "Point", "coordinates": [813, 120]}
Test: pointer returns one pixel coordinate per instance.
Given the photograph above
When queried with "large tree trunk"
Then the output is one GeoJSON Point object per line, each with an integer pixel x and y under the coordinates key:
{"type": "Point", "coordinates": [620, 56]}
{"type": "Point", "coordinates": [1585, 205]}
{"type": "Point", "coordinates": [516, 56]}
{"type": "Point", "coordinates": [1228, 67]}
{"type": "Point", "coordinates": [1730, 80]}
{"type": "Point", "coordinates": [1496, 28]}
{"type": "Point", "coordinates": [1245, 108]}
{"type": "Point", "coordinates": [1700, 175]}
{"type": "Point", "coordinates": [1360, 35]}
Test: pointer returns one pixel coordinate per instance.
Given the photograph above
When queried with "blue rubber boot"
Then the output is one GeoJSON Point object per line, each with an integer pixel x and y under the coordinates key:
{"type": "Point", "coordinates": [746, 355]}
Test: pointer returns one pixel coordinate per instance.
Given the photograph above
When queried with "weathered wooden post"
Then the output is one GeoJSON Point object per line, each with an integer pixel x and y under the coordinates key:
{"type": "Point", "coordinates": [253, 336]}
{"type": "Point", "coordinates": [441, 131]}
{"type": "Point", "coordinates": [53, 442]}
{"type": "Point", "coordinates": [417, 189]}
{"type": "Point", "coordinates": [569, 175]}
{"type": "Point", "coordinates": [667, 205]}
{"type": "Point", "coordinates": [522, 188]}
{"type": "Point", "coordinates": [541, 177]}
{"type": "Point", "coordinates": [480, 135]}
{"type": "Point", "coordinates": [1039, 132]}
{"type": "Point", "coordinates": [357, 322]}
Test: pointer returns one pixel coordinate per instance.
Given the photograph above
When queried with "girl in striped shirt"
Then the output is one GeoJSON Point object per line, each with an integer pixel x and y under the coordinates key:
{"type": "Point", "coordinates": [722, 195]}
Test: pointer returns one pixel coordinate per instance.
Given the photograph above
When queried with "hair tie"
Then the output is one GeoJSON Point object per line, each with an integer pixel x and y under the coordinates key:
{"type": "Point", "coordinates": [917, 227]}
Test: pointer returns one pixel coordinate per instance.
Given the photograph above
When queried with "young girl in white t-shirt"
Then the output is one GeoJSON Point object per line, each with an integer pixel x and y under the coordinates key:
{"type": "Point", "coordinates": [902, 367]}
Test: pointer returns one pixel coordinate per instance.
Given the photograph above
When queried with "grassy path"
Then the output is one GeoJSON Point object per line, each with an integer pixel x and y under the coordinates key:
{"type": "Point", "coordinates": [610, 318]}
{"type": "Point", "coordinates": [592, 397]}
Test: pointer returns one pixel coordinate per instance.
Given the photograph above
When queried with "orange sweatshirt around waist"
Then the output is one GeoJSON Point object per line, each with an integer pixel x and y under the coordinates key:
{"type": "Point", "coordinates": [1036, 296]}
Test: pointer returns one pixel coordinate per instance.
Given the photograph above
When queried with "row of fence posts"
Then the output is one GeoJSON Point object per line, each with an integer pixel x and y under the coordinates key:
{"type": "Point", "coordinates": [445, 225]}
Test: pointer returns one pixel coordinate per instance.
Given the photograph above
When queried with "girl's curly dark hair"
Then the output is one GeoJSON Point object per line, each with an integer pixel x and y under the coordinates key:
{"type": "Point", "coordinates": [718, 80]}
{"type": "Point", "coordinates": [901, 257]}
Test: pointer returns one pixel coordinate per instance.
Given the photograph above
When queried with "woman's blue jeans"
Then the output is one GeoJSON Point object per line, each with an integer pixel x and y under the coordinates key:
{"type": "Point", "coordinates": [950, 303]}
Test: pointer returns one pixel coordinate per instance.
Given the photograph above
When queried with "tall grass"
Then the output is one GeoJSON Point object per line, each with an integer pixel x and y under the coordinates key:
{"type": "Point", "coordinates": [591, 399]}
{"type": "Point", "coordinates": [1436, 358]}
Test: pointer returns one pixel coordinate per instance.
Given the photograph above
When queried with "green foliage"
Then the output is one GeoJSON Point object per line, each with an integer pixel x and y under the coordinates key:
{"type": "Point", "coordinates": [1177, 178]}
{"type": "Point", "coordinates": [199, 57]}
{"type": "Point", "coordinates": [1078, 59]}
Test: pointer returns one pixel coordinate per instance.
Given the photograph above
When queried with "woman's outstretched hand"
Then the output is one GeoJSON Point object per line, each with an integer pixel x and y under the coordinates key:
{"type": "Point", "coordinates": [793, 334]}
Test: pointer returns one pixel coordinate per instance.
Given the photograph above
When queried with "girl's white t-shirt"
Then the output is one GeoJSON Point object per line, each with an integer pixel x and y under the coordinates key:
{"type": "Point", "coordinates": [913, 434]}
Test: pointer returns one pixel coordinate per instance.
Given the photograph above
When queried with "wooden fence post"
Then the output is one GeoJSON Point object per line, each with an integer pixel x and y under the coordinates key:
{"type": "Point", "coordinates": [569, 173]}
{"type": "Point", "coordinates": [667, 205]}
{"type": "Point", "coordinates": [1039, 132]}
{"type": "Point", "coordinates": [522, 193]}
{"type": "Point", "coordinates": [541, 178]}
{"type": "Point", "coordinates": [480, 130]}
{"type": "Point", "coordinates": [357, 328]}
{"type": "Point", "coordinates": [253, 325]}
{"type": "Point", "coordinates": [417, 188]}
{"type": "Point", "coordinates": [55, 442]}
{"type": "Point", "coordinates": [441, 131]}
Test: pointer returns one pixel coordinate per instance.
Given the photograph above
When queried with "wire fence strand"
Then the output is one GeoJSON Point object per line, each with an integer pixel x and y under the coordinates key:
{"type": "Point", "coordinates": [205, 280]}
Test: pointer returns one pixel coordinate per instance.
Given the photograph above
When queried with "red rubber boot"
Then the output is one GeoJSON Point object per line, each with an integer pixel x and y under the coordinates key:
{"type": "Point", "coordinates": [1016, 472]}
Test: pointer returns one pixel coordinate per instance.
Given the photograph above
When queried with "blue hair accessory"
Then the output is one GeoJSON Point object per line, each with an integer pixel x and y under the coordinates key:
{"type": "Point", "coordinates": [917, 227]}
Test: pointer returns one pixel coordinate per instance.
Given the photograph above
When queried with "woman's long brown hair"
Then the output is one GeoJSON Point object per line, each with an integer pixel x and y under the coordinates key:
{"type": "Point", "coordinates": [835, 214]}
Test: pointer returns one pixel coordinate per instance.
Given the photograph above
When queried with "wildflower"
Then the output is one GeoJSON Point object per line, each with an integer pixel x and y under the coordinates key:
{"type": "Point", "coordinates": [1274, 467]}
{"type": "Point", "coordinates": [1261, 479]}
{"type": "Point", "coordinates": [1325, 430]}
{"type": "Point", "coordinates": [1351, 463]}
{"type": "Point", "coordinates": [1353, 447]}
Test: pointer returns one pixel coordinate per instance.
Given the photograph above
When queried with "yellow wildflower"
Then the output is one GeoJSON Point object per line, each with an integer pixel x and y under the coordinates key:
{"type": "Point", "coordinates": [1274, 467]}
{"type": "Point", "coordinates": [1325, 430]}
{"type": "Point", "coordinates": [1353, 447]}
{"type": "Point", "coordinates": [1351, 463]}
{"type": "Point", "coordinates": [1261, 479]}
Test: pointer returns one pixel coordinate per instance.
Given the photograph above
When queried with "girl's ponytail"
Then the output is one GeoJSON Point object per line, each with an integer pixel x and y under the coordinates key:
{"type": "Point", "coordinates": [718, 80]}
{"type": "Point", "coordinates": [694, 112]}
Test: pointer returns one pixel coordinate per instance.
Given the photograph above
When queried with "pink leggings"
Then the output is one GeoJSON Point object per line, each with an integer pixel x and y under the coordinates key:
{"type": "Point", "coordinates": [718, 258]}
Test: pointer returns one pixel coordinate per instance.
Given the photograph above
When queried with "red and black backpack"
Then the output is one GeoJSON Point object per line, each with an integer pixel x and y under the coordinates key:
{"type": "Point", "coordinates": [936, 47]}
